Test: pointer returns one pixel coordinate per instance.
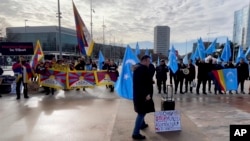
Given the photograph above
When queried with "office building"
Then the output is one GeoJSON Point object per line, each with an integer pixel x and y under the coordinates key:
{"type": "Point", "coordinates": [161, 40]}
{"type": "Point", "coordinates": [241, 28]}
{"type": "Point", "coordinates": [47, 35]}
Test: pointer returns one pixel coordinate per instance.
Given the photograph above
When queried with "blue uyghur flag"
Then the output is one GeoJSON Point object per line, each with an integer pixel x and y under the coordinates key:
{"type": "Point", "coordinates": [231, 80]}
{"type": "Point", "coordinates": [137, 49]}
{"type": "Point", "coordinates": [240, 55]}
{"type": "Point", "coordinates": [212, 47]}
{"type": "Point", "coordinates": [146, 52]}
{"type": "Point", "coordinates": [247, 52]}
{"type": "Point", "coordinates": [185, 60]}
{"type": "Point", "coordinates": [172, 60]}
{"type": "Point", "coordinates": [195, 55]}
{"type": "Point", "coordinates": [124, 84]}
{"type": "Point", "coordinates": [226, 52]}
{"type": "Point", "coordinates": [201, 49]}
{"type": "Point", "coordinates": [100, 60]}
{"type": "Point", "coordinates": [158, 61]}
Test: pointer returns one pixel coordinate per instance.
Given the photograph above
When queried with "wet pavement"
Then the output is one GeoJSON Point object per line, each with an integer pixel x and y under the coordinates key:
{"type": "Point", "coordinates": [98, 115]}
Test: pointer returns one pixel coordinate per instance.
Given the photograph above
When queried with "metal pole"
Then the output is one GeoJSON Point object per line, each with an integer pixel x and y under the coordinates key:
{"type": "Point", "coordinates": [59, 23]}
{"type": "Point", "coordinates": [25, 28]}
{"type": "Point", "coordinates": [91, 23]}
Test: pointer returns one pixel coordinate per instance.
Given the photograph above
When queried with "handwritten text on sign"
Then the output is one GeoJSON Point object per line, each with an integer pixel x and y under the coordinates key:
{"type": "Point", "coordinates": [167, 121]}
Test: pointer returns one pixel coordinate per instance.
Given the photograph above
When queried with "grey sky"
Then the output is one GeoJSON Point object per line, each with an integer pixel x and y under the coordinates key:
{"type": "Point", "coordinates": [131, 20]}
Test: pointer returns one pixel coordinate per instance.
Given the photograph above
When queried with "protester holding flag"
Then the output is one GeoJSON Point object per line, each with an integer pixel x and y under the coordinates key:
{"type": "Point", "coordinates": [23, 73]}
{"type": "Point", "coordinates": [143, 103]}
{"type": "Point", "coordinates": [243, 74]}
{"type": "Point", "coordinates": [113, 68]}
{"type": "Point", "coordinates": [80, 66]}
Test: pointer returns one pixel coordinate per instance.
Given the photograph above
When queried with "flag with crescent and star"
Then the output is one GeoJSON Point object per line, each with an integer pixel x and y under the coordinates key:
{"type": "Point", "coordinates": [124, 84]}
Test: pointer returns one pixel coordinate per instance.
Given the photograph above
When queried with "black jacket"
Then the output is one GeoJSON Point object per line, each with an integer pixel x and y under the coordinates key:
{"type": "Point", "coordinates": [192, 72]}
{"type": "Point", "coordinates": [242, 71]}
{"type": "Point", "coordinates": [142, 83]}
{"type": "Point", "coordinates": [161, 72]}
{"type": "Point", "coordinates": [202, 70]}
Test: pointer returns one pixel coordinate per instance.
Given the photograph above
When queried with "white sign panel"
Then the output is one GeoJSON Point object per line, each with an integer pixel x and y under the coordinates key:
{"type": "Point", "coordinates": [167, 121]}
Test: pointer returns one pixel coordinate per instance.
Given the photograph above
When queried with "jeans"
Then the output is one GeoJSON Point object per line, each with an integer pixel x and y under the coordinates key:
{"type": "Point", "coordinates": [138, 123]}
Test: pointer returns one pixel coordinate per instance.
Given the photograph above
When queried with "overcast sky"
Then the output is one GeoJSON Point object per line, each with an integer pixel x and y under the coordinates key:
{"type": "Point", "coordinates": [129, 21]}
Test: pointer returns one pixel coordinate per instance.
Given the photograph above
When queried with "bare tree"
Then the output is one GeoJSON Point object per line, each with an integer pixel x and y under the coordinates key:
{"type": "Point", "coordinates": [3, 25]}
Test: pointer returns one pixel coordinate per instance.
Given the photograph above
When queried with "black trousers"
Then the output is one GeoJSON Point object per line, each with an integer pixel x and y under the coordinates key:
{"type": "Point", "coordinates": [161, 82]}
{"type": "Point", "coordinates": [188, 83]}
{"type": "Point", "coordinates": [179, 80]}
{"type": "Point", "coordinates": [18, 88]}
{"type": "Point", "coordinates": [48, 90]}
{"type": "Point", "coordinates": [203, 81]}
{"type": "Point", "coordinates": [241, 82]}
{"type": "Point", "coordinates": [209, 84]}
{"type": "Point", "coordinates": [172, 77]}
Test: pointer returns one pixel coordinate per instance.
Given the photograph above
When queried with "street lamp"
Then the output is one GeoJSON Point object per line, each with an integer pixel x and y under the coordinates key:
{"type": "Point", "coordinates": [25, 25]}
{"type": "Point", "coordinates": [59, 24]}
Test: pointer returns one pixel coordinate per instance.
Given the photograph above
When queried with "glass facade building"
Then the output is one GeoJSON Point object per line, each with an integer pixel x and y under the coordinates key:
{"type": "Point", "coordinates": [47, 35]}
{"type": "Point", "coordinates": [241, 28]}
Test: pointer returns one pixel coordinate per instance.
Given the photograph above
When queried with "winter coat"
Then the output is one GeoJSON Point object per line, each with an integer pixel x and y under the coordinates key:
{"type": "Point", "coordinates": [142, 83]}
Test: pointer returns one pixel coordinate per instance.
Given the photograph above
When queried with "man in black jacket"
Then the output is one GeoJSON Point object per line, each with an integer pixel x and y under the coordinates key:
{"type": "Point", "coordinates": [243, 74]}
{"type": "Point", "coordinates": [161, 76]}
{"type": "Point", "coordinates": [202, 76]}
{"type": "Point", "coordinates": [180, 76]}
{"type": "Point", "coordinates": [143, 102]}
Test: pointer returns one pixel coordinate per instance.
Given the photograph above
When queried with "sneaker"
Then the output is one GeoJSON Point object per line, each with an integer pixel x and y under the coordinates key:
{"type": "Point", "coordinates": [26, 97]}
{"type": "Point", "coordinates": [0, 95]}
{"type": "Point", "coordinates": [138, 137]}
{"type": "Point", "coordinates": [18, 98]}
{"type": "Point", "coordinates": [144, 126]}
{"type": "Point", "coordinates": [204, 93]}
{"type": "Point", "coordinates": [243, 92]}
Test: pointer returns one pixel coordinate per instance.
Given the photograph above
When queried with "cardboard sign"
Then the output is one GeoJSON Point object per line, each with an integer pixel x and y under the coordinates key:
{"type": "Point", "coordinates": [167, 121]}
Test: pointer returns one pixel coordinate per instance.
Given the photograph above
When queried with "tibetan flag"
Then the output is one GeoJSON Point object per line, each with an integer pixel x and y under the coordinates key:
{"type": "Point", "coordinates": [38, 55]}
{"type": "Point", "coordinates": [85, 42]}
{"type": "Point", "coordinates": [219, 78]}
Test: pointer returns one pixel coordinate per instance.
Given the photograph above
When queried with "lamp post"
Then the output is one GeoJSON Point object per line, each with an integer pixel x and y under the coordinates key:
{"type": "Point", "coordinates": [91, 23]}
{"type": "Point", "coordinates": [59, 24]}
{"type": "Point", "coordinates": [25, 26]}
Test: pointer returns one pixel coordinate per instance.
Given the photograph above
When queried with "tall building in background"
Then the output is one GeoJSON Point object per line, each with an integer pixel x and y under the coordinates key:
{"type": "Point", "coordinates": [161, 40]}
{"type": "Point", "coordinates": [241, 31]}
